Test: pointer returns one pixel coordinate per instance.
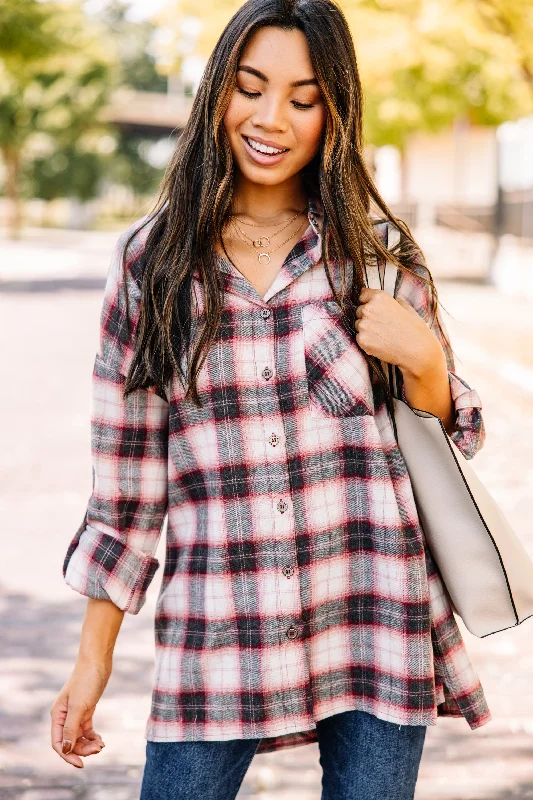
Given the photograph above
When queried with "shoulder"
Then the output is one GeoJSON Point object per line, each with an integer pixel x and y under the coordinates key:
{"type": "Point", "coordinates": [380, 227]}
{"type": "Point", "coordinates": [408, 250]}
{"type": "Point", "coordinates": [412, 282]}
{"type": "Point", "coordinates": [122, 301]}
{"type": "Point", "coordinates": [129, 250]}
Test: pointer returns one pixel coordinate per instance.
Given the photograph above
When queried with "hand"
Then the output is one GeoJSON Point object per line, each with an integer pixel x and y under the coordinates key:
{"type": "Point", "coordinates": [72, 731]}
{"type": "Point", "coordinates": [391, 330]}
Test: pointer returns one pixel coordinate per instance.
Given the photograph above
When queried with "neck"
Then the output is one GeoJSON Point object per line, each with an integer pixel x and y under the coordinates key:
{"type": "Point", "coordinates": [260, 204]}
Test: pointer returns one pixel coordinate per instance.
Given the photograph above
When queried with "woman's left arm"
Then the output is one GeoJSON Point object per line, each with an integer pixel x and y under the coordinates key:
{"type": "Point", "coordinates": [397, 330]}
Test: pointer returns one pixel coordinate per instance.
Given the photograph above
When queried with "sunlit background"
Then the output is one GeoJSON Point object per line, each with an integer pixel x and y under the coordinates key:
{"type": "Point", "coordinates": [92, 98]}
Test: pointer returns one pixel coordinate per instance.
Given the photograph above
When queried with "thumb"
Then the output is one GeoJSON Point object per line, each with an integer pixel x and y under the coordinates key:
{"type": "Point", "coordinates": [71, 728]}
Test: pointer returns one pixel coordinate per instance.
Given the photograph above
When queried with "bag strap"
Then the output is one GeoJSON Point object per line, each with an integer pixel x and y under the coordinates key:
{"type": "Point", "coordinates": [386, 281]}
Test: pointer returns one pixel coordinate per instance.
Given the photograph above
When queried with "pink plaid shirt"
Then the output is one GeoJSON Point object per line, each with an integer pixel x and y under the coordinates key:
{"type": "Point", "coordinates": [297, 583]}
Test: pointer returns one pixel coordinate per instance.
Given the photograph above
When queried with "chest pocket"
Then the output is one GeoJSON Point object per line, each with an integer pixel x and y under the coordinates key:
{"type": "Point", "coordinates": [338, 377]}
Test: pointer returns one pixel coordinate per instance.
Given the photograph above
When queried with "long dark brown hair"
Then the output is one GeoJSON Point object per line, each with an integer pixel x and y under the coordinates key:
{"type": "Point", "coordinates": [195, 196]}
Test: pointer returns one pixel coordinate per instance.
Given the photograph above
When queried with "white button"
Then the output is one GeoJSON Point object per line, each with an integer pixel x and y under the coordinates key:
{"type": "Point", "coordinates": [288, 571]}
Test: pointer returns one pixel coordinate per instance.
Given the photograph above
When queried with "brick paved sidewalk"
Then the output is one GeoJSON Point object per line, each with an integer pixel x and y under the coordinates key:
{"type": "Point", "coordinates": [45, 474]}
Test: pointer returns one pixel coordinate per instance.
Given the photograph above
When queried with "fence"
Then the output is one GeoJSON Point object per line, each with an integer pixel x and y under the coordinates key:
{"type": "Point", "coordinates": [512, 215]}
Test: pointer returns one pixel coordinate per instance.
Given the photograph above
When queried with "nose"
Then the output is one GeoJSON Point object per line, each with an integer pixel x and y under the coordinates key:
{"type": "Point", "coordinates": [270, 115]}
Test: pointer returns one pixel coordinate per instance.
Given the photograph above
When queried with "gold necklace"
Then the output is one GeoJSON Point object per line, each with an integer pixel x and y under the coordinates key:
{"type": "Point", "coordinates": [264, 241]}
{"type": "Point", "coordinates": [253, 225]}
{"type": "Point", "coordinates": [267, 255]}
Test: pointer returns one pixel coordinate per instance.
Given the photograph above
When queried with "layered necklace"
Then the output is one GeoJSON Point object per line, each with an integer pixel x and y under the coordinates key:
{"type": "Point", "coordinates": [262, 243]}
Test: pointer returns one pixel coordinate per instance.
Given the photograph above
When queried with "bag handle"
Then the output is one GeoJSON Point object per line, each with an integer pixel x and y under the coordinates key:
{"type": "Point", "coordinates": [386, 281]}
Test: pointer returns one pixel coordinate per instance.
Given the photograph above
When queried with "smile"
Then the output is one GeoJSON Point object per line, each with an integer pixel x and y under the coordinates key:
{"type": "Point", "coordinates": [263, 148]}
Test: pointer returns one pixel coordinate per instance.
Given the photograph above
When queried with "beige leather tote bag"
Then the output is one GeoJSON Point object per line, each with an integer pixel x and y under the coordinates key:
{"type": "Point", "coordinates": [485, 567]}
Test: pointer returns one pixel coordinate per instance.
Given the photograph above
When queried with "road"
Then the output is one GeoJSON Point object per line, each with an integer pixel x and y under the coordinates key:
{"type": "Point", "coordinates": [49, 305]}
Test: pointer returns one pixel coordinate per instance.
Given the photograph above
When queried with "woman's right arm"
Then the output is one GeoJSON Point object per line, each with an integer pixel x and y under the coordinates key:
{"type": "Point", "coordinates": [72, 732]}
{"type": "Point", "coordinates": [111, 558]}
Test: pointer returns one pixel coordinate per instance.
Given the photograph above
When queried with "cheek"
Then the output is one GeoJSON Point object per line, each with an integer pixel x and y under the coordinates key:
{"type": "Point", "coordinates": [309, 131]}
{"type": "Point", "coordinates": [235, 114]}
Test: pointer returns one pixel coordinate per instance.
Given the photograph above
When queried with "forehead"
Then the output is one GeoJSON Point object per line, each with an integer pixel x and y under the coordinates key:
{"type": "Point", "coordinates": [282, 56]}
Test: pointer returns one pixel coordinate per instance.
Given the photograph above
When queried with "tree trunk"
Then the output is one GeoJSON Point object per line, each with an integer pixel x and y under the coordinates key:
{"type": "Point", "coordinates": [12, 161]}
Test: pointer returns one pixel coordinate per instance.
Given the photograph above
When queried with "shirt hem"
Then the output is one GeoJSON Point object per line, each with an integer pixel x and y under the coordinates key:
{"type": "Point", "coordinates": [303, 735]}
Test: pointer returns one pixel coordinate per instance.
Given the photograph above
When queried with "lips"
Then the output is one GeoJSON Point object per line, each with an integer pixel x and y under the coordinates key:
{"type": "Point", "coordinates": [263, 159]}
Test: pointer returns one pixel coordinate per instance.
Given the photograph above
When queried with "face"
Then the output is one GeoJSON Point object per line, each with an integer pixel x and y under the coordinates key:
{"type": "Point", "coordinates": [276, 102]}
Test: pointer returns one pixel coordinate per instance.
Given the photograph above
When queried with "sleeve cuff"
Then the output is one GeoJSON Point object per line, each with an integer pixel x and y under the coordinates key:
{"type": "Point", "coordinates": [103, 567]}
{"type": "Point", "coordinates": [469, 431]}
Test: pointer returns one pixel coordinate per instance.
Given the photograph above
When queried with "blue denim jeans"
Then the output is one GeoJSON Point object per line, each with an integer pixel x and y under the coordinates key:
{"type": "Point", "coordinates": [362, 758]}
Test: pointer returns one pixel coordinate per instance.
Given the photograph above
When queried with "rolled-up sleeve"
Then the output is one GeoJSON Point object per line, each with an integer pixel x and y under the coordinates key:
{"type": "Point", "coordinates": [469, 428]}
{"type": "Point", "coordinates": [111, 555]}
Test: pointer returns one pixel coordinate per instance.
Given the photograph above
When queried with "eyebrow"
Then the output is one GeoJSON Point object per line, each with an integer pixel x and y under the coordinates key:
{"type": "Point", "coordinates": [261, 76]}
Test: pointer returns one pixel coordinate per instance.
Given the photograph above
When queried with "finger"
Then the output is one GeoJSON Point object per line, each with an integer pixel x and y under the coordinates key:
{"type": "Point", "coordinates": [90, 743]}
{"type": "Point", "coordinates": [360, 343]}
{"type": "Point", "coordinates": [89, 732]}
{"type": "Point", "coordinates": [72, 727]}
{"type": "Point", "coordinates": [92, 736]}
{"type": "Point", "coordinates": [366, 293]}
{"type": "Point", "coordinates": [58, 718]}
{"type": "Point", "coordinates": [86, 747]}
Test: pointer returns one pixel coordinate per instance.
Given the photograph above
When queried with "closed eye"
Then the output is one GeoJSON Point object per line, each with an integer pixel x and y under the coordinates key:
{"type": "Point", "coordinates": [253, 95]}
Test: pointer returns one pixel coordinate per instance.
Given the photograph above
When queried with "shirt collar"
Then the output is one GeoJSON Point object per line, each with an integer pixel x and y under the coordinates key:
{"type": "Point", "coordinates": [306, 253]}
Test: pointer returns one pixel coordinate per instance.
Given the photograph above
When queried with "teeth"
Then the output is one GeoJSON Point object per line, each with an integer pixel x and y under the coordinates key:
{"type": "Point", "coordinates": [262, 147]}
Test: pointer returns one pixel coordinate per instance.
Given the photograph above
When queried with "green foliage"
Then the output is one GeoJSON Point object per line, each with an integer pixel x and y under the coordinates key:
{"type": "Point", "coordinates": [438, 60]}
{"type": "Point", "coordinates": [55, 75]}
{"type": "Point", "coordinates": [131, 167]}
{"type": "Point", "coordinates": [137, 69]}
{"type": "Point", "coordinates": [58, 86]}
{"type": "Point", "coordinates": [26, 31]}
{"type": "Point", "coordinates": [57, 71]}
{"type": "Point", "coordinates": [68, 172]}
{"type": "Point", "coordinates": [137, 66]}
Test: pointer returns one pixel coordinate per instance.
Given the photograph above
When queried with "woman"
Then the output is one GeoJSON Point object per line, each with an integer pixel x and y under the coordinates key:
{"type": "Point", "coordinates": [298, 602]}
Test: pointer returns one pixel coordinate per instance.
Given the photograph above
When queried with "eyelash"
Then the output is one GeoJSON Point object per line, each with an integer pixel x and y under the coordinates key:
{"type": "Point", "coordinates": [300, 106]}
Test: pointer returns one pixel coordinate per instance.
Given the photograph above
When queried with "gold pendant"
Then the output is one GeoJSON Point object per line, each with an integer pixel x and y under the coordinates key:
{"type": "Point", "coordinates": [264, 241]}
{"type": "Point", "coordinates": [263, 254]}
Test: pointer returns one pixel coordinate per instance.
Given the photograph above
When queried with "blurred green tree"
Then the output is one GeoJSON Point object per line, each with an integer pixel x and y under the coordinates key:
{"type": "Point", "coordinates": [439, 60]}
{"type": "Point", "coordinates": [119, 157]}
{"type": "Point", "coordinates": [137, 67]}
{"type": "Point", "coordinates": [513, 19]}
{"type": "Point", "coordinates": [130, 164]}
{"type": "Point", "coordinates": [55, 74]}
{"type": "Point", "coordinates": [69, 171]}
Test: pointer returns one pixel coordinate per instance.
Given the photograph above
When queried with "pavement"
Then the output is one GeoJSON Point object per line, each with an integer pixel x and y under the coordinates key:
{"type": "Point", "coordinates": [50, 295]}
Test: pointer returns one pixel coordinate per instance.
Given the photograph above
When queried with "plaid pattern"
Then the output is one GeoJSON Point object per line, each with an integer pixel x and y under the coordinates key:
{"type": "Point", "coordinates": [296, 582]}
